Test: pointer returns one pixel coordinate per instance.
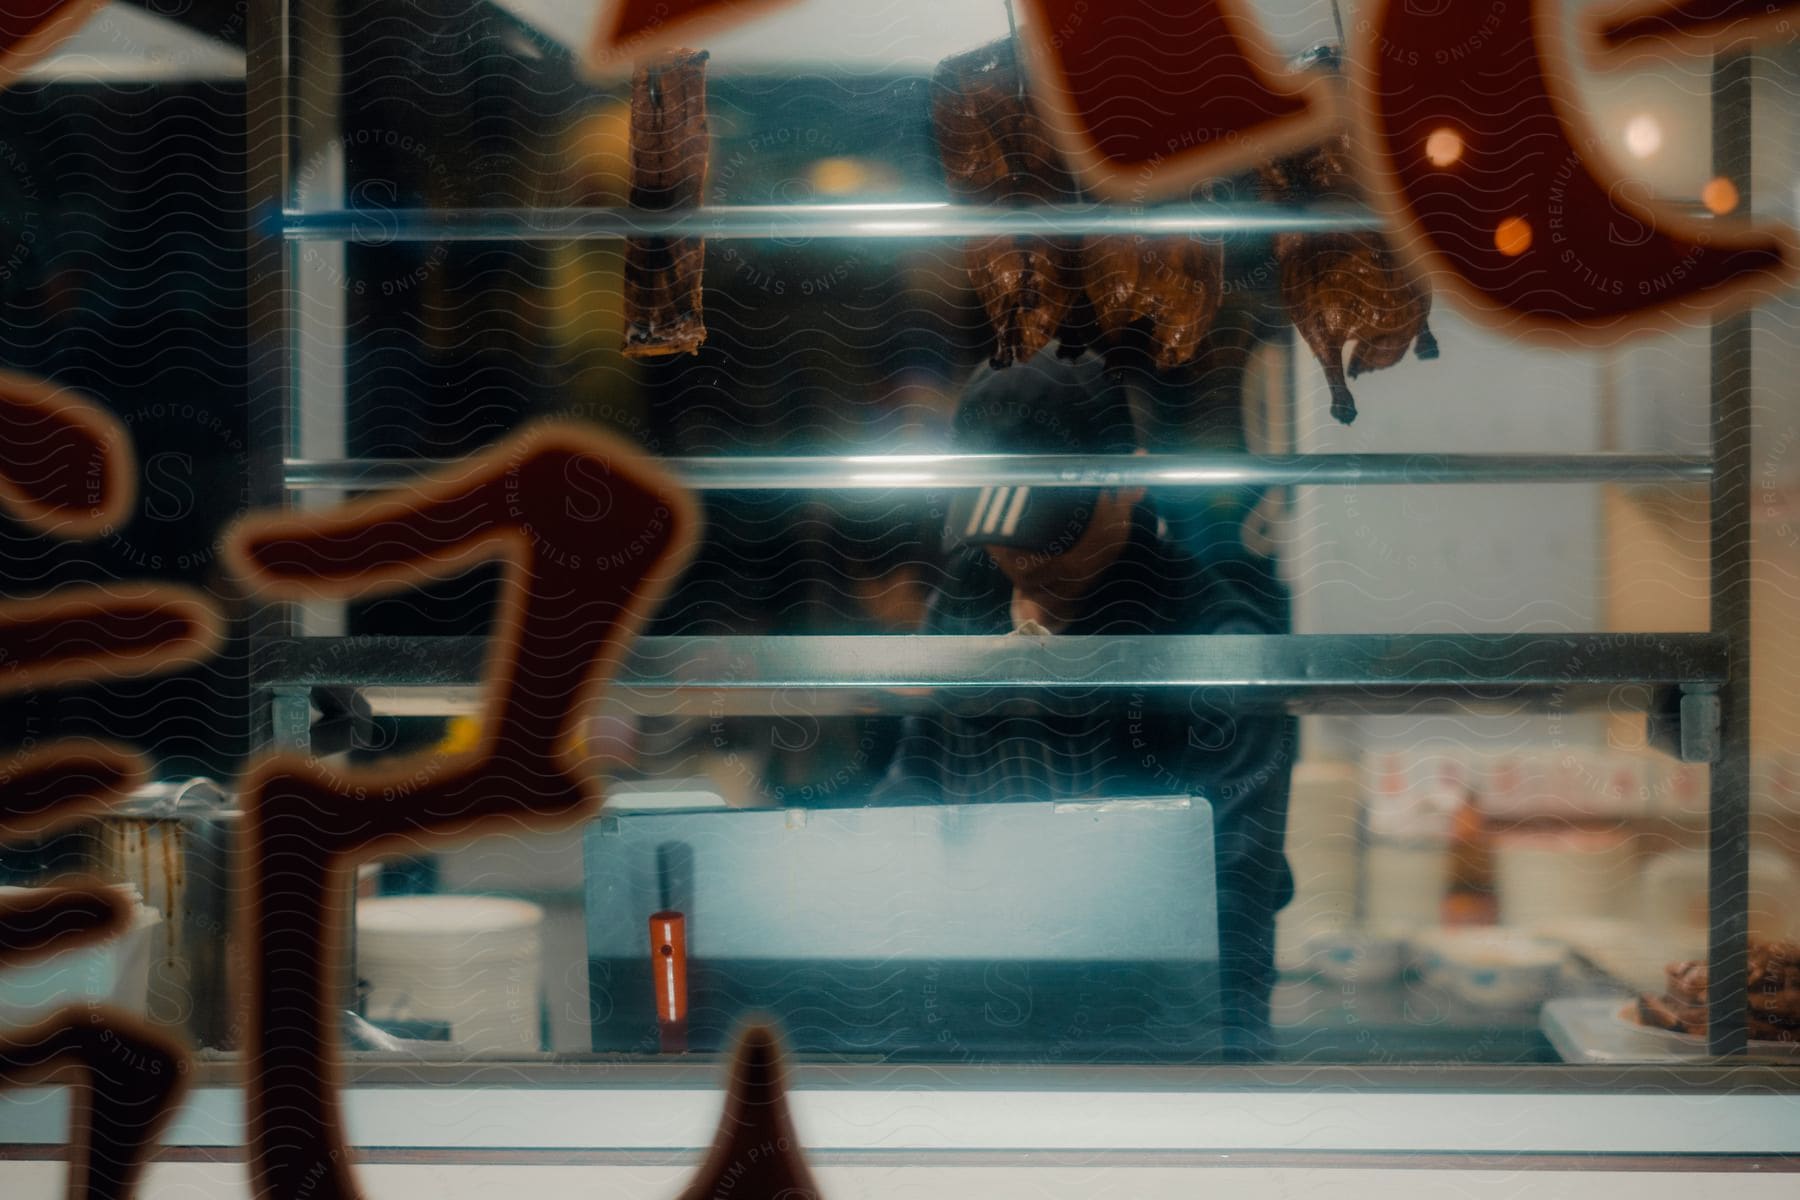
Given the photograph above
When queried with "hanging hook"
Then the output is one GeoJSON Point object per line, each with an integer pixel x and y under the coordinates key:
{"type": "Point", "coordinates": [1012, 26]}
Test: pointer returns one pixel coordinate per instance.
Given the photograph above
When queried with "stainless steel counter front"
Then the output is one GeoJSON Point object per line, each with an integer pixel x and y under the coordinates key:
{"type": "Point", "coordinates": [926, 1113]}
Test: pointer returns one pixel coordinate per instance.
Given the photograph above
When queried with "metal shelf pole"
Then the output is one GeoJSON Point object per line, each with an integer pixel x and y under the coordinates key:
{"type": "Point", "coordinates": [268, 103]}
{"type": "Point", "coordinates": [1728, 845]}
{"type": "Point", "coordinates": [1561, 668]}
{"type": "Point", "coordinates": [924, 472]}
{"type": "Point", "coordinates": [894, 220]}
{"type": "Point", "coordinates": [906, 220]}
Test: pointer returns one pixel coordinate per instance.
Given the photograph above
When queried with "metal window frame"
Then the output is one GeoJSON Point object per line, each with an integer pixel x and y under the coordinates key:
{"type": "Point", "coordinates": [281, 82]}
{"type": "Point", "coordinates": [1728, 845]}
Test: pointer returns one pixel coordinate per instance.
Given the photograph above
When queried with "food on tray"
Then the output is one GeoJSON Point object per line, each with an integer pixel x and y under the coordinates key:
{"type": "Point", "coordinates": [1344, 287]}
{"type": "Point", "coordinates": [669, 146]}
{"type": "Point", "coordinates": [996, 151]}
{"type": "Point", "coordinates": [1773, 995]}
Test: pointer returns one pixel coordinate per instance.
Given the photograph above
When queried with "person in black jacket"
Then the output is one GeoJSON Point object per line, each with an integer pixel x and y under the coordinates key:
{"type": "Point", "coordinates": [1053, 561]}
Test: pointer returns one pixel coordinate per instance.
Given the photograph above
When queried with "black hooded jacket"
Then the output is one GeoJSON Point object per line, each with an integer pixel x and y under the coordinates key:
{"type": "Point", "coordinates": [1096, 743]}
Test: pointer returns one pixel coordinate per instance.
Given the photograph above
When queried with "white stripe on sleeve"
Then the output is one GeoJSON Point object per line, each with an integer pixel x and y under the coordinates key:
{"type": "Point", "coordinates": [980, 507]}
{"type": "Point", "coordinates": [993, 516]}
{"type": "Point", "coordinates": [1013, 513]}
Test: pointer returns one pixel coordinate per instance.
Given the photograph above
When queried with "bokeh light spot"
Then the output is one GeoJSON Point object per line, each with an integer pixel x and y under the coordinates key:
{"type": "Point", "coordinates": [1643, 135]}
{"type": "Point", "coordinates": [1443, 147]}
{"type": "Point", "coordinates": [1720, 196]}
{"type": "Point", "coordinates": [1512, 237]}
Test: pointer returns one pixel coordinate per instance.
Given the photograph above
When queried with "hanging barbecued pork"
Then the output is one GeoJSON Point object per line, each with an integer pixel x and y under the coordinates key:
{"type": "Point", "coordinates": [669, 149]}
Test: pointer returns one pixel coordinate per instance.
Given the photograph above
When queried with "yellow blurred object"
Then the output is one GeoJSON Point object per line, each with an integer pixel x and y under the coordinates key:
{"type": "Point", "coordinates": [461, 734]}
{"type": "Point", "coordinates": [587, 296]}
{"type": "Point", "coordinates": [839, 176]}
{"type": "Point", "coordinates": [599, 156]}
{"type": "Point", "coordinates": [586, 284]}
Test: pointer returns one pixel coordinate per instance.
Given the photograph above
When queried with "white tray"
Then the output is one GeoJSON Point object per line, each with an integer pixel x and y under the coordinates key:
{"type": "Point", "coordinates": [1590, 1030]}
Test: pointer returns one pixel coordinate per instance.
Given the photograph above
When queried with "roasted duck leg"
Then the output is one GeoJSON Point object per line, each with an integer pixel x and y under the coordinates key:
{"type": "Point", "coordinates": [1344, 287]}
{"type": "Point", "coordinates": [669, 147]}
{"type": "Point", "coordinates": [996, 151]}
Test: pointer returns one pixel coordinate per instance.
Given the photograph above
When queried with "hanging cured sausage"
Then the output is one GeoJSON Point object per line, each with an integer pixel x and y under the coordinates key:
{"type": "Point", "coordinates": [669, 147]}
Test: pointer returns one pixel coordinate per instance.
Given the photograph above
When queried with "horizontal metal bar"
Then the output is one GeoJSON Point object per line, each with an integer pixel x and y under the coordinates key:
{"type": "Point", "coordinates": [470, 700]}
{"type": "Point", "coordinates": [921, 219]}
{"type": "Point", "coordinates": [701, 1072]}
{"type": "Point", "coordinates": [925, 472]}
{"type": "Point", "coordinates": [884, 1160]}
{"type": "Point", "coordinates": [1557, 668]}
{"type": "Point", "coordinates": [966, 1108]}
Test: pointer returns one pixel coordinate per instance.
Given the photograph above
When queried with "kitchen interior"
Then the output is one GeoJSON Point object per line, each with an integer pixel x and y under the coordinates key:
{"type": "Point", "coordinates": [1507, 880]}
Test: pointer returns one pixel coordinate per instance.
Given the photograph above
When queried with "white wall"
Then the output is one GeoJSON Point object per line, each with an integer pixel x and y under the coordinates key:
{"type": "Point", "coordinates": [874, 35]}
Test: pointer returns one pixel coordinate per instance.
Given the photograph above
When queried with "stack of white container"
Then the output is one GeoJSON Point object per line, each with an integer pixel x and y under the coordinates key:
{"type": "Point", "coordinates": [1412, 797]}
{"type": "Point", "coordinates": [1592, 846]}
{"type": "Point", "coordinates": [474, 962]}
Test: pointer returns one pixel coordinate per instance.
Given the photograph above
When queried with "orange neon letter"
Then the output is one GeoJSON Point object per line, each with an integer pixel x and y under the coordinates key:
{"type": "Point", "coordinates": [590, 537]}
{"type": "Point", "coordinates": [1527, 225]}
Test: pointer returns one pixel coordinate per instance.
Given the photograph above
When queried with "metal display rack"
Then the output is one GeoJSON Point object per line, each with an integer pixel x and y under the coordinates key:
{"type": "Point", "coordinates": [1696, 686]}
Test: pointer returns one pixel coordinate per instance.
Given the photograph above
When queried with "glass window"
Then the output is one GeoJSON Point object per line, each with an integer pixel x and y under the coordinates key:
{"type": "Point", "coordinates": [934, 757]}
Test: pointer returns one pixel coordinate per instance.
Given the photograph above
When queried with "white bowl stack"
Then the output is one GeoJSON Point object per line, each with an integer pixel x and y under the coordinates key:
{"type": "Point", "coordinates": [1558, 874]}
{"type": "Point", "coordinates": [1489, 967]}
{"type": "Point", "coordinates": [475, 962]}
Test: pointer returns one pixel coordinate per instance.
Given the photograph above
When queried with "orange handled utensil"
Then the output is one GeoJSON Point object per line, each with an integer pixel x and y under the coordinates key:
{"type": "Point", "coordinates": [668, 969]}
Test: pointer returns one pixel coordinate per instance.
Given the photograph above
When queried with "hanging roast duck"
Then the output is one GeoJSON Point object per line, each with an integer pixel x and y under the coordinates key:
{"type": "Point", "coordinates": [1340, 288]}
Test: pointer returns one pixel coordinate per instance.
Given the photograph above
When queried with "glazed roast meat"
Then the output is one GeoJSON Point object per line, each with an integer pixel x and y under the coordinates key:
{"type": "Point", "coordinates": [1772, 995]}
{"type": "Point", "coordinates": [1340, 288]}
{"type": "Point", "coordinates": [1176, 283]}
{"type": "Point", "coordinates": [996, 151]}
{"type": "Point", "coordinates": [669, 150]}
